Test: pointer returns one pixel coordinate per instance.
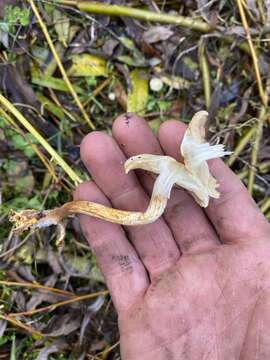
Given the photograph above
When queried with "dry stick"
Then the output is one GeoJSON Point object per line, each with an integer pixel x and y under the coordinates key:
{"type": "Point", "coordinates": [253, 53]}
{"type": "Point", "coordinates": [265, 205]}
{"type": "Point", "coordinates": [263, 96]}
{"type": "Point", "coordinates": [12, 109]}
{"type": "Point", "coordinates": [262, 11]}
{"type": "Point", "coordinates": [116, 10]}
{"type": "Point", "coordinates": [240, 146]}
{"type": "Point", "coordinates": [16, 247]}
{"type": "Point", "coordinates": [146, 15]}
{"type": "Point", "coordinates": [205, 75]}
{"type": "Point", "coordinates": [255, 149]}
{"type": "Point", "coordinates": [21, 325]}
{"type": "Point", "coordinates": [59, 63]}
{"type": "Point", "coordinates": [108, 350]}
{"type": "Point", "coordinates": [37, 286]}
{"type": "Point", "coordinates": [61, 303]}
{"type": "Point", "coordinates": [57, 102]}
{"type": "Point", "coordinates": [263, 167]}
{"type": "Point", "coordinates": [97, 90]}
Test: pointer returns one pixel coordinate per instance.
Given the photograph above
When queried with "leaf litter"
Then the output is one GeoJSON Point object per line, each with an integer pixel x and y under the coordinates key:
{"type": "Point", "coordinates": [109, 60]}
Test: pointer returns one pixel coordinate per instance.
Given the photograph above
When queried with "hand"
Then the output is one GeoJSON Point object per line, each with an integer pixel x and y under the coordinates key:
{"type": "Point", "coordinates": [192, 285]}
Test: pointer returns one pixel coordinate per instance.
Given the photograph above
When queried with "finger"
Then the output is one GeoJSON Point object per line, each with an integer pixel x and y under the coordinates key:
{"type": "Point", "coordinates": [256, 342]}
{"type": "Point", "coordinates": [116, 257]}
{"type": "Point", "coordinates": [154, 242]}
{"type": "Point", "coordinates": [191, 228]}
{"type": "Point", "coordinates": [234, 212]}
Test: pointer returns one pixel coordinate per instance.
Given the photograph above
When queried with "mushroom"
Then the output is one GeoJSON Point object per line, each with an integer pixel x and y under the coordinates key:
{"type": "Point", "coordinates": [193, 175]}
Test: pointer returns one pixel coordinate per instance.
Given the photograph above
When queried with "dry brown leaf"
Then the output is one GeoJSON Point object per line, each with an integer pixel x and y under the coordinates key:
{"type": "Point", "coordinates": [157, 33]}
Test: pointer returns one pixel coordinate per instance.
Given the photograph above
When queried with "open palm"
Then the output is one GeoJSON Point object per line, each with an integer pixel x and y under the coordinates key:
{"type": "Point", "coordinates": [194, 284]}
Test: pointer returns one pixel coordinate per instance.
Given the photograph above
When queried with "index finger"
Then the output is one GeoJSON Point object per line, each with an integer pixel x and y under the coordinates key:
{"type": "Point", "coordinates": [235, 211]}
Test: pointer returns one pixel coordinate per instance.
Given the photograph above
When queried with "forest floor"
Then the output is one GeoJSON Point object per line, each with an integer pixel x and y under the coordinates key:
{"type": "Point", "coordinates": [68, 68]}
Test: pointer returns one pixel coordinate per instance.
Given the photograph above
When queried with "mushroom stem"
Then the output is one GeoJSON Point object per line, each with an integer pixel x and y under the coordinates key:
{"type": "Point", "coordinates": [122, 217]}
{"type": "Point", "coordinates": [39, 219]}
{"type": "Point", "coordinates": [194, 176]}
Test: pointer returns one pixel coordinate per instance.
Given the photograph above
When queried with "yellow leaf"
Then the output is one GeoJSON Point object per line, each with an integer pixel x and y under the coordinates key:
{"type": "Point", "coordinates": [138, 95]}
{"type": "Point", "coordinates": [88, 65]}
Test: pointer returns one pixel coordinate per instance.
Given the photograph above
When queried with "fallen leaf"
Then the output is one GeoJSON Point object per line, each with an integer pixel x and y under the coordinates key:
{"type": "Point", "coordinates": [76, 266]}
{"type": "Point", "coordinates": [109, 47]}
{"type": "Point", "coordinates": [253, 7]}
{"type": "Point", "coordinates": [138, 94]}
{"type": "Point", "coordinates": [156, 34]}
{"type": "Point", "coordinates": [88, 65]}
{"type": "Point", "coordinates": [120, 94]}
{"type": "Point", "coordinates": [3, 326]}
{"type": "Point", "coordinates": [40, 296]}
{"type": "Point", "coordinates": [93, 308]}
{"type": "Point", "coordinates": [51, 106]}
{"type": "Point", "coordinates": [52, 82]}
{"type": "Point", "coordinates": [69, 323]}
{"type": "Point", "coordinates": [56, 346]}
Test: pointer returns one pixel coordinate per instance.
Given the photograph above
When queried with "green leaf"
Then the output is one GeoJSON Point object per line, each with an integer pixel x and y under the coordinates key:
{"type": "Point", "coordinates": [13, 348]}
{"type": "Point", "coordinates": [3, 339]}
{"type": "Point", "coordinates": [15, 15]}
{"type": "Point", "coordinates": [21, 202]}
{"type": "Point", "coordinates": [138, 95]}
{"type": "Point", "coordinates": [128, 43]}
{"type": "Point", "coordinates": [52, 82]}
{"type": "Point", "coordinates": [21, 144]}
{"type": "Point", "coordinates": [155, 125]}
{"type": "Point", "coordinates": [88, 65]}
{"type": "Point", "coordinates": [24, 16]}
{"type": "Point", "coordinates": [51, 106]}
{"type": "Point", "coordinates": [136, 58]}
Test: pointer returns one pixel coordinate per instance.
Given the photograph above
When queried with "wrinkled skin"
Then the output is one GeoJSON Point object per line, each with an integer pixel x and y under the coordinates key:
{"type": "Point", "coordinates": [192, 285]}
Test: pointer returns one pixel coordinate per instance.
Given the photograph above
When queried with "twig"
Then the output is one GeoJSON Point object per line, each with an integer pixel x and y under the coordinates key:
{"type": "Point", "coordinates": [57, 102]}
{"type": "Point", "coordinates": [10, 107]}
{"type": "Point", "coordinates": [265, 205]}
{"type": "Point", "coordinates": [262, 11]}
{"type": "Point", "coordinates": [166, 19]}
{"type": "Point", "coordinates": [108, 350]}
{"type": "Point", "coordinates": [21, 325]}
{"type": "Point", "coordinates": [253, 53]}
{"type": "Point", "coordinates": [16, 247]}
{"type": "Point", "coordinates": [263, 167]}
{"type": "Point", "coordinates": [240, 146]}
{"type": "Point", "coordinates": [116, 10]}
{"type": "Point", "coordinates": [61, 303]}
{"type": "Point", "coordinates": [263, 96]}
{"type": "Point", "coordinates": [255, 149]}
{"type": "Point", "coordinates": [59, 63]}
{"type": "Point", "coordinates": [205, 75]}
{"type": "Point", "coordinates": [98, 90]}
{"type": "Point", "coordinates": [37, 286]}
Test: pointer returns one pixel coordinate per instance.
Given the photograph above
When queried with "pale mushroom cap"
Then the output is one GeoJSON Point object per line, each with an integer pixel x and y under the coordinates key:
{"type": "Point", "coordinates": [196, 151]}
